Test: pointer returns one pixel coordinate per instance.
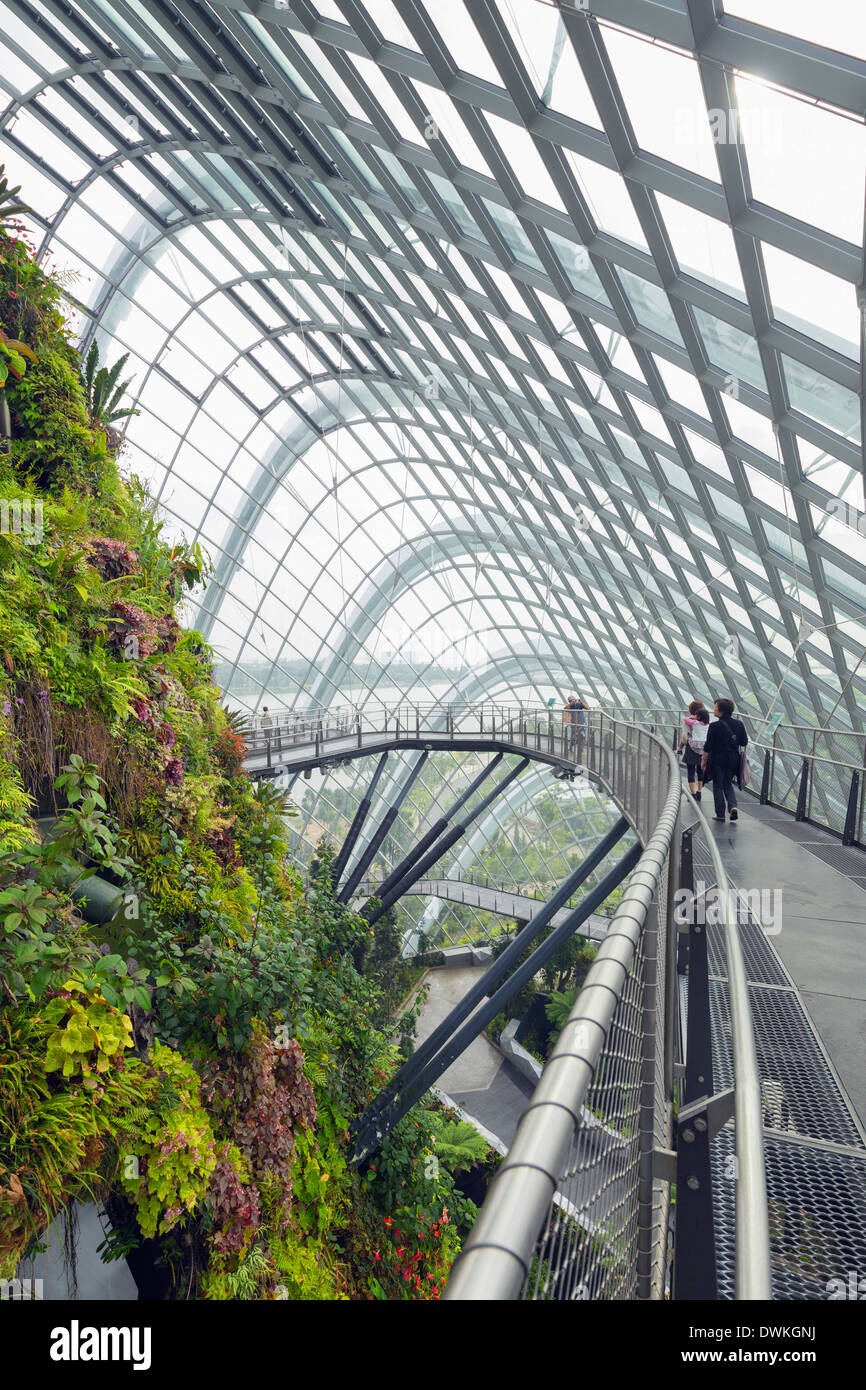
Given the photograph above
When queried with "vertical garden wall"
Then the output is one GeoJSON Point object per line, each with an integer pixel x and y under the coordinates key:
{"type": "Point", "coordinates": [187, 1024]}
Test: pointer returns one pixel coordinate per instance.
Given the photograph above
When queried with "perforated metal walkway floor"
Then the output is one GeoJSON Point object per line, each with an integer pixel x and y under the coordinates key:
{"type": "Point", "coordinates": [807, 974]}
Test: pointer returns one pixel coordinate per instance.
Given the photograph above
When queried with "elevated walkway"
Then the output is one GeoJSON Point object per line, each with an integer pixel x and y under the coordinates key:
{"type": "Point", "coordinates": [821, 939]}
{"type": "Point", "coordinates": [496, 900]}
{"type": "Point", "coordinates": [806, 970]}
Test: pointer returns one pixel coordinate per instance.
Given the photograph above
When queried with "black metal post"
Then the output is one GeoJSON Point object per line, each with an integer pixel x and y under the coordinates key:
{"type": "Point", "coordinates": [695, 1245]}
{"type": "Point", "coordinates": [850, 831]}
{"type": "Point", "coordinates": [803, 794]}
{"type": "Point", "coordinates": [687, 882]}
{"type": "Point", "coordinates": [765, 778]}
{"type": "Point", "coordinates": [442, 846]}
{"type": "Point", "coordinates": [375, 843]}
{"type": "Point", "coordinates": [342, 858]}
{"type": "Point", "coordinates": [436, 830]}
{"type": "Point", "coordinates": [378, 1121]}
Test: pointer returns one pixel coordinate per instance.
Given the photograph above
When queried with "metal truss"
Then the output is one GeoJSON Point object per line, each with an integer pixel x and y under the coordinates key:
{"type": "Point", "coordinates": [498, 844]}
{"type": "Point", "coordinates": [420, 346]}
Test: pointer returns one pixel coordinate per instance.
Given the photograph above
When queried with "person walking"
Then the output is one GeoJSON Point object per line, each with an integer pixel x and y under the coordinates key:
{"type": "Point", "coordinates": [574, 714]}
{"type": "Point", "coordinates": [582, 707]}
{"type": "Point", "coordinates": [686, 733]}
{"type": "Point", "coordinates": [693, 746]}
{"type": "Point", "coordinates": [721, 758]}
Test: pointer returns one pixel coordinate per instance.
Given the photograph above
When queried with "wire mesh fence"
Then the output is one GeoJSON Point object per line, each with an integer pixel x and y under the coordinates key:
{"type": "Point", "coordinates": [575, 1211]}
{"type": "Point", "coordinates": [588, 1244]}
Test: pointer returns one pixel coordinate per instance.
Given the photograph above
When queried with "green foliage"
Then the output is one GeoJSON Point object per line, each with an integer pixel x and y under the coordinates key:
{"type": "Point", "coordinates": [87, 1034]}
{"type": "Point", "coordinates": [306, 1271]}
{"type": "Point", "coordinates": [559, 1006]}
{"type": "Point", "coordinates": [41, 940]}
{"type": "Point", "coordinates": [288, 1002]}
{"type": "Point", "coordinates": [459, 1146]}
{"type": "Point", "coordinates": [54, 438]}
{"type": "Point", "coordinates": [8, 206]}
{"type": "Point", "coordinates": [54, 1132]}
{"type": "Point", "coordinates": [174, 1146]}
{"type": "Point", "coordinates": [13, 358]}
{"type": "Point", "coordinates": [102, 390]}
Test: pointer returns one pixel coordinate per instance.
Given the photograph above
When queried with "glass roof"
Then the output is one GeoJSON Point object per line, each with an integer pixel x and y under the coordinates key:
{"type": "Point", "coordinates": [491, 347]}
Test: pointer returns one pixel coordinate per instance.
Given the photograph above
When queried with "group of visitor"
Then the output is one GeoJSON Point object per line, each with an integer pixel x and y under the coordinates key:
{"type": "Point", "coordinates": [713, 749]}
{"type": "Point", "coordinates": [574, 714]}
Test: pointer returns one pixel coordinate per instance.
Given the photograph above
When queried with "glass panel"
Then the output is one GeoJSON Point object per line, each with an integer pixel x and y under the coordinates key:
{"type": "Point", "coordinates": [818, 304]}
{"type": "Point", "coordinates": [607, 198]}
{"type": "Point", "coordinates": [704, 247]}
{"type": "Point", "coordinates": [650, 307]}
{"type": "Point", "coordinates": [665, 101]}
{"type": "Point", "coordinates": [731, 350]}
{"type": "Point", "coordinates": [806, 161]}
{"type": "Point", "coordinates": [822, 399]}
{"type": "Point", "coordinates": [834, 23]}
{"type": "Point", "coordinates": [462, 39]}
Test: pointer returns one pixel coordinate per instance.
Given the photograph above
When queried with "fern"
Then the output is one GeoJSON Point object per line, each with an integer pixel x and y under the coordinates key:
{"type": "Point", "coordinates": [460, 1146]}
{"type": "Point", "coordinates": [102, 390]}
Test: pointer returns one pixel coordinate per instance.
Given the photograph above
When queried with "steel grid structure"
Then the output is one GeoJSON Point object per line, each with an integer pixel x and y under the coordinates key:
{"type": "Point", "coordinates": [437, 330]}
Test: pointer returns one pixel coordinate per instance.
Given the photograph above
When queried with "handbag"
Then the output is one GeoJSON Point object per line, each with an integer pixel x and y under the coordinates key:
{"type": "Point", "coordinates": [745, 776]}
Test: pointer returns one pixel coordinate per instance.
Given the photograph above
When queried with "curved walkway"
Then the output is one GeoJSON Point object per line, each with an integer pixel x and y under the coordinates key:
{"type": "Point", "coordinates": [289, 754]}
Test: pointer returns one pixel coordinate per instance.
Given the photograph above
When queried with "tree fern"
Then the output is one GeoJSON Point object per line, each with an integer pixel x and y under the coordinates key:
{"type": "Point", "coordinates": [559, 1006]}
{"type": "Point", "coordinates": [459, 1145]}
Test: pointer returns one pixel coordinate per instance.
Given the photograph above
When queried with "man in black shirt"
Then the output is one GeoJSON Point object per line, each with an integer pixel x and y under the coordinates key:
{"type": "Point", "coordinates": [721, 759]}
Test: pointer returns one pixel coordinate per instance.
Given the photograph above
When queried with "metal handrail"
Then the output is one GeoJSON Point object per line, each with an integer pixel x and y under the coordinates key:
{"type": "Point", "coordinates": [498, 1253]}
{"type": "Point", "coordinates": [752, 1250]}
{"type": "Point", "coordinates": [823, 771]}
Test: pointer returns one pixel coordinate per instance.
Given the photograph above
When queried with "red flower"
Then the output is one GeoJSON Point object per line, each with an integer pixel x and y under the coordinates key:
{"type": "Point", "coordinates": [376, 1255]}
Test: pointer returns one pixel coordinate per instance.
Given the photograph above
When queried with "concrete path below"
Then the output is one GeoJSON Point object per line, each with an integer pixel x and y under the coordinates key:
{"type": "Point", "coordinates": [480, 1079]}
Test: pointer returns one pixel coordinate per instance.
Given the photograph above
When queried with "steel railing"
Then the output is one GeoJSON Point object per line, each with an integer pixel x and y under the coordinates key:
{"type": "Point", "coordinates": [817, 774]}
{"type": "Point", "coordinates": [580, 1206]}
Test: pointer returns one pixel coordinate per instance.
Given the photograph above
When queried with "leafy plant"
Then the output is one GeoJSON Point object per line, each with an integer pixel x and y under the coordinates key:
{"type": "Point", "coordinates": [13, 358]}
{"type": "Point", "coordinates": [102, 390]}
{"type": "Point", "coordinates": [174, 1147]}
{"type": "Point", "coordinates": [53, 1134]}
{"type": "Point", "coordinates": [460, 1146]}
{"type": "Point", "coordinates": [8, 206]}
{"type": "Point", "coordinates": [234, 1203]}
{"type": "Point", "coordinates": [88, 1033]}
